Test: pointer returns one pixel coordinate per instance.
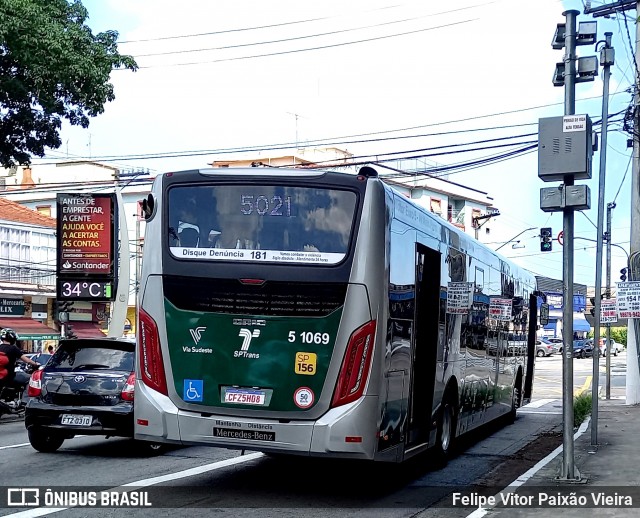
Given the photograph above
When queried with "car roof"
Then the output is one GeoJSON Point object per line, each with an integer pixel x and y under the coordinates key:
{"type": "Point", "coordinates": [107, 342]}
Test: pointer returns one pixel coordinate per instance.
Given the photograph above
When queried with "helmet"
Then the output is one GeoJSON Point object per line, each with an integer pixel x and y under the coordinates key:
{"type": "Point", "coordinates": [9, 335]}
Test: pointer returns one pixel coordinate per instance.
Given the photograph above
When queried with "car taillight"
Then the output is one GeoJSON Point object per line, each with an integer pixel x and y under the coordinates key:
{"type": "Point", "coordinates": [35, 384]}
{"type": "Point", "coordinates": [127, 391]}
{"type": "Point", "coordinates": [355, 365]}
{"type": "Point", "coordinates": [150, 354]}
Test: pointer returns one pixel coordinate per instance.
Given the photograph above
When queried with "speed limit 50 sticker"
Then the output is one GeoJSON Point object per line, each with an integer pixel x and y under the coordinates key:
{"type": "Point", "coordinates": [303, 397]}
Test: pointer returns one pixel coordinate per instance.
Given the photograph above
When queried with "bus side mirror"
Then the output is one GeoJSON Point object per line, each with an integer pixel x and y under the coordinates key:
{"type": "Point", "coordinates": [148, 207]}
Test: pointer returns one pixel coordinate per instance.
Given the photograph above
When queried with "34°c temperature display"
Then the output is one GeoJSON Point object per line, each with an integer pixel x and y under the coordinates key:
{"type": "Point", "coordinates": [84, 289]}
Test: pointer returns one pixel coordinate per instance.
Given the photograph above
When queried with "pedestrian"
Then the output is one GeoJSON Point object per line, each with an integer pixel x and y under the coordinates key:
{"type": "Point", "coordinates": [50, 349]}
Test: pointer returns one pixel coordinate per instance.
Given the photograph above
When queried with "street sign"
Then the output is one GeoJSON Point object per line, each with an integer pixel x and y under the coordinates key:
{"type": "Point", "coordinates": [628, 299]}
{"type": "Point", "coordinates": [608, 313]}
{"type": "Point", "coordinates": [459, 297]}
{"type": "Point", "coordinates": [500, 309]}
{"type": "Point", "coordinates": [561, 237]}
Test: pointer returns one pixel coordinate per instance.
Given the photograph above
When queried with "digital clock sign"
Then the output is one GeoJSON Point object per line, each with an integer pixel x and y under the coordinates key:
{"type": "Point", "coordinates": [86, 289]}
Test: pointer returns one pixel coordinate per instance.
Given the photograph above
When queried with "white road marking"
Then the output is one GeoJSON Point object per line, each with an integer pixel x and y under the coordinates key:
{"type": "Point", "coordinates": [522, 479]}
{"type": "Point", "coordinates": [14, 446]}
{"type": "Point", "coordinates": [539, 403]}
{"type": "Point", "coordinates": [44, 511]}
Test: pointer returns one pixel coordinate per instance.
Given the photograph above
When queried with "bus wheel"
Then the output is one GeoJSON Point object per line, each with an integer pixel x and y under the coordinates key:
{"type": "Point", "coordinates": [516, 399]}
{"type": "Point", "coordinates": [445, 438]}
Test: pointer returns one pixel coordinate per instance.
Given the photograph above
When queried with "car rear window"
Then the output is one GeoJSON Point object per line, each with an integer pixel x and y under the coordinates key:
{"type": "Point", "coordinates": [87, 356]}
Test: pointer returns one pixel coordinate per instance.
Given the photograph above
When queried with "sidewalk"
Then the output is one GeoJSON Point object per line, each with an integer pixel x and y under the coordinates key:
{"type": "Point", "coordinates": [611, 468]}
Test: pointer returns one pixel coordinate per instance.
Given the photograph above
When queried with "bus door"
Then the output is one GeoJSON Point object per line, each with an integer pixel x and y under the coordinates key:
{"type": "Point", "coordinates": [425, 343]}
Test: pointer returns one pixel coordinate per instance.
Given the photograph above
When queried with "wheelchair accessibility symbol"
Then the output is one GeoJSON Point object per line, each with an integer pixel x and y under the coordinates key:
{"type": "Point", "coordinates": [193, 390]}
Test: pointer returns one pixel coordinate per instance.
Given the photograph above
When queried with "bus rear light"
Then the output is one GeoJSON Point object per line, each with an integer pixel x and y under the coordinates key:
{"type": "Point", "coordinates": [353, 439]}
{"type": "Point", "coordinates": [142, 422]}
{"type": "Point", "coordinates": [150, 354]}
{"type": "Point", "coordinates": [355, 365]}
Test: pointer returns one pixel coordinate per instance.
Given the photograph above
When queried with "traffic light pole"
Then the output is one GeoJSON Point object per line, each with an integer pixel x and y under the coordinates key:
{"type": "Point", "coordinates": [568, 470]}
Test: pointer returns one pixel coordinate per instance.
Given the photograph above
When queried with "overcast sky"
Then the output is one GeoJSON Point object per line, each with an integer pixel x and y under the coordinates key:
{"type": "Point", "coordinates": [236, 74]}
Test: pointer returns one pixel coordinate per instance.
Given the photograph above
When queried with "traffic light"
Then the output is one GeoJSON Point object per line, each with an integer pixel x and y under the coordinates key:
{"type": "Point", "coordinates": [69, 332]}
{"type": "Point", "coordinates": [593, 303]}
{"type": "Point", "coordinates": [546, 241]}
{"type": "Point", "coordinates": [623, 274]}
{"type": "Point", "coordinates": [63, 309]}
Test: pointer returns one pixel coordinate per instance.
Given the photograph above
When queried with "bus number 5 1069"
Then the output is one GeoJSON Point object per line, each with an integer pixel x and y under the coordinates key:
{"type": "Point", "coordinates": [307, 337]}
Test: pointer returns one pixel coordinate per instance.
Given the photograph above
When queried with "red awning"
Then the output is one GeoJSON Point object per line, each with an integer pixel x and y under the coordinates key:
{"type": "Point", "coordinates": [29, 329]}
{"type": "Point", "coordinates": [86, 329]}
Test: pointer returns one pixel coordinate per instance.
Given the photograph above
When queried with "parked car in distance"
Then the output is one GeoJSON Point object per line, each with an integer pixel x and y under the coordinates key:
{"type": "Point", "coordinates": [615, 346]}
{"type": "Point", "coordinates": [557, 341]}
{"type": "Point", "coordinates": [85, 388]}
{"type": "Point", "coordinates": [582, 349]}
{"type": "Point", "coordinates": [545, 348]}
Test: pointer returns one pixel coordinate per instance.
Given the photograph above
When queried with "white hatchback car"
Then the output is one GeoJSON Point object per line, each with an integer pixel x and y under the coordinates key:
{"type": "Point", "coordinates": [615, 347]}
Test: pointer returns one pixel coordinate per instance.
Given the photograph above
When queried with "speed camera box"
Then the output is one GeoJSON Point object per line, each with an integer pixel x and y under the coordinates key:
{"type": "Point", "coordinates": [564, 148]}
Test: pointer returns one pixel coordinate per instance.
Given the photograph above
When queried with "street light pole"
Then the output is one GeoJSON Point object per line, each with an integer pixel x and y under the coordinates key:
{"type": "Point", "coordinates": [606, 60]}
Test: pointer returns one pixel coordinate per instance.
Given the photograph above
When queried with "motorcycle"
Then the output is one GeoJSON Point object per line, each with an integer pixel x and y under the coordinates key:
{"type": "Point", "coordinates": [12, 396]}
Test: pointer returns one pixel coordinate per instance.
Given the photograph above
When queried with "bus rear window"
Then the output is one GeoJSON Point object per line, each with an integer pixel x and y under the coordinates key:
{"type": "Point", "coordinates": [281, 224]}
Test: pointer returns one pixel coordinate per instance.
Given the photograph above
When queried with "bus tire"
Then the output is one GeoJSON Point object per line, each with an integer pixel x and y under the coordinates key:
{"type": "Point", "coordinates": [445, 436]}
{"type": "Point", "coordinates": [516, 398]}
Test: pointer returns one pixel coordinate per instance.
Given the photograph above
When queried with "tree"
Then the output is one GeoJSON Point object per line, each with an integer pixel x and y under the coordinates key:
{"type": "Point", "coordinates": [51, 67]}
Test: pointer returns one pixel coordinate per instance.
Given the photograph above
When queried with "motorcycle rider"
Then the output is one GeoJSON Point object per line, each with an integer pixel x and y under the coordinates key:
{"type": "Point", "coordinates": [9, 354]}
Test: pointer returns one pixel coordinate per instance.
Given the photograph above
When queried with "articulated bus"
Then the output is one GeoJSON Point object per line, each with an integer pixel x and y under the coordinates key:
{"type": "Point", "coordinates": [322, 313]}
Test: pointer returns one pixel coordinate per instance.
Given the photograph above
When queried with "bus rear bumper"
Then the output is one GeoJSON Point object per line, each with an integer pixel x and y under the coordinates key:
{"type": "Point", "coordinates": [344, 432]}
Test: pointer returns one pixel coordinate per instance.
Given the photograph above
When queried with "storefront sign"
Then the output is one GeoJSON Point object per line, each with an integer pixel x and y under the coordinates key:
{"type": "Point", "coordinates": [11, 307]}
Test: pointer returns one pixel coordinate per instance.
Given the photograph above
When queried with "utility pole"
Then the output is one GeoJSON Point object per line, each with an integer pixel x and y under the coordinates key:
{"type": "Point", "coordinates": [633, 338]}
{"type": "Point", "coordinates": [606, 60]}
{"type": "Point", "coordinates": [633, 331]}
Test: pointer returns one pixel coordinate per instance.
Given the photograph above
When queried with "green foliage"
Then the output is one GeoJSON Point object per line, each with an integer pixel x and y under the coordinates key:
{"type": "Point", "coordinates": [619, 334]}
{"type": "Point", "coordinates": [51, 67]}
{"type": "Point", "coordinates": [581, 408]}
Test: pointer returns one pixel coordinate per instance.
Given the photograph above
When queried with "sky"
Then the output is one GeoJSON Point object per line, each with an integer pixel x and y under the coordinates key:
{"type": "Point", "coordinates": [371, 77]}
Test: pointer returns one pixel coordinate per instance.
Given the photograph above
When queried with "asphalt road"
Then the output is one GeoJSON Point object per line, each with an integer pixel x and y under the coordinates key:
{"type": "Point", "coordinates": [198, 480]}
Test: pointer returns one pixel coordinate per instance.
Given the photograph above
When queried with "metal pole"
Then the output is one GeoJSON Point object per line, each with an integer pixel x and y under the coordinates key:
{"type": "Point", "coordinates": [610, 207]}
{"type": "Point", "coordinates": [595, 384]}
{"type": "Point", "coordinates": [120, 305]}
{"type": "Point", "coordinates": [633, 338]}
{"type": "Point", "coordinates": [569, 471]}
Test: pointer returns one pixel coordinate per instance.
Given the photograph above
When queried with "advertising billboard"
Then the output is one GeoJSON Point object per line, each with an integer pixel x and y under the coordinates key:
{"type": "Point", "coordinates": [87, 247]}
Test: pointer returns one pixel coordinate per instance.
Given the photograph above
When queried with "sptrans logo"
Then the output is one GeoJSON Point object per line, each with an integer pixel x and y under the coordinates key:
{"type": "Point", "coordinates": [247, 335]}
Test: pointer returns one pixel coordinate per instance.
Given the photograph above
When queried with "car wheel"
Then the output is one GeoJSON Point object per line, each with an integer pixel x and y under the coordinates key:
{"type": "Point", "coordinates": [540, 353]}
{"type": "Point", "coordinates": [44, 441]}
